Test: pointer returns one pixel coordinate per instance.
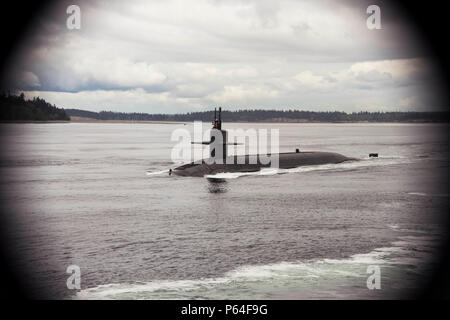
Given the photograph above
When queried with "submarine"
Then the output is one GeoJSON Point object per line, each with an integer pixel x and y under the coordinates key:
{"type": "Point", "coordinates": [222, 163]}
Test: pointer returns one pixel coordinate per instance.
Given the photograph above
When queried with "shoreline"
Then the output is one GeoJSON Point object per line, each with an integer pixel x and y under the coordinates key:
{"type": "Point", "coordinates": [93, 121]}
{"type": "Point", "coordinates": [90, 121]}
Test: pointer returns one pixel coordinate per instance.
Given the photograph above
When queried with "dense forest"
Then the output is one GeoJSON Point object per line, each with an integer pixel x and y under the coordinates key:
{"type": "Point", "coordinates": [16, 108]}
{"type": "Point", "coordinates": [270, 116]}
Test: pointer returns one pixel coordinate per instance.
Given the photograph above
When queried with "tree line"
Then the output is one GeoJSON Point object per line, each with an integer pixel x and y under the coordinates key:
{"type": "Point", "coordinates": [256, 115]}
{"type": "Point", "coordinates": [17, 108]}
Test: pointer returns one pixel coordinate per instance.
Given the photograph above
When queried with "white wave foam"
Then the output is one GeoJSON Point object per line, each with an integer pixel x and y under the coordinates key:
{"type": "Point", "coordinates": [408, 251]}
{"type": "Point", "coordinates": [391, 157]}
{"type": "Point", "coordinates": [377, 256]}
{"type": "Point", "coordinates": [175, 163]}
{"type": "Point", "coordinates": [422, 194]}
{"type": "Point", "coordinates": [419, 231]}
{"type": "Point", "coordinates": [122, 291]}
{"type": "Point", "coordinates": [234, 175]}
{"type": "Point", "coordinates": [417, 194]}
{"type": "Point", "coordinates": [348, 165]}
{"type": "Point", "coordinates": [154, 173]}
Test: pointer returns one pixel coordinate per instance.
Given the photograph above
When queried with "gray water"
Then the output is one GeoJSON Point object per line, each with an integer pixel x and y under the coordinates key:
{"type": "Point", "coordinates": [79, 193]}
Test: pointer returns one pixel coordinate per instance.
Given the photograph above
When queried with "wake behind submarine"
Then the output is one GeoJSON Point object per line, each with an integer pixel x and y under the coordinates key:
{"type": "Point", "coordinates": [243, 163]}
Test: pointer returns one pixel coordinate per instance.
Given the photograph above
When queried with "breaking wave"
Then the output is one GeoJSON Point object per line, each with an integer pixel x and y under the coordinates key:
{"type": "Point", "coordinates": [406, 258]}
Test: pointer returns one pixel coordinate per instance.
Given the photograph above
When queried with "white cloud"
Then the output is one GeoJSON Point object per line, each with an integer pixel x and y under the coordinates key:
{"type": "Point", "coordinates": [241, 94]}
{"type": "Point", "coordinates": [174, 56]}
{"type": "Point", "coordinates": [103, 100]}
{"type": "Point", "coordinates": [117, 72]}
{"type": "Point", "coordinates": [400, 70]}
{"type": "Point", "coordinates": [409, 102]}
{"type": "Point", "coordinates": [309, 79]}
{"type": "Point", "coordinates": [370, 75]}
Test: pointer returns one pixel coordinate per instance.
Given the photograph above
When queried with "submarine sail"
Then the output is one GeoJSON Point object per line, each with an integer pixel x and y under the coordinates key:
{"type": "Point", "coordinates": [220, 162]}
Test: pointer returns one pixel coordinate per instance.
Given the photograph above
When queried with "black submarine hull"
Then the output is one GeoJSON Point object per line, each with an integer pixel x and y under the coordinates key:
{"type": "Point", "coordinates": [242, 163]}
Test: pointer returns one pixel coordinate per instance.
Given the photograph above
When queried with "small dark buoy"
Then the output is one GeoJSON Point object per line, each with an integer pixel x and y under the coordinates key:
{"type": "Point", "coordinates": [373, 155]}
{"type": "Point", "coordinates": [297, 150]}
{"type": "Point", "coordinates": [170, 172]}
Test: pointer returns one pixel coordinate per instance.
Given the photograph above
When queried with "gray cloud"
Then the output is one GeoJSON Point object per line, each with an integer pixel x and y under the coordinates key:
{"type": "Point", "coordinates": [176, 56]}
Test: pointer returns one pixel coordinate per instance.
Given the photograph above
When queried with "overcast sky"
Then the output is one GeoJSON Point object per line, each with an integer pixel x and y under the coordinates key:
{"type": "Point", "coordinates": [182, 56]}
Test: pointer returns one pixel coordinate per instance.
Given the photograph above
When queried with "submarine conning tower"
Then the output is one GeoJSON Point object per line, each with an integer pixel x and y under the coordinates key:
{"type": "Point", "coordinates": [218, 143]}
{"type": "Point", "coordinates": [218, 132]}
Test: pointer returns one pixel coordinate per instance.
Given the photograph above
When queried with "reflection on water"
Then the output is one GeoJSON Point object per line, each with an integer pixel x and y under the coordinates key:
{"type": "Point", "coordinates": [217, 186]}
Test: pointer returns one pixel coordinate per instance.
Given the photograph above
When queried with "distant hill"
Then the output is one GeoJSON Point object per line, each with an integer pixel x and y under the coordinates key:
{"type": "Point", "coordinates": [270, 116]}
{"type": "Point", "coordinates": [16, 108]}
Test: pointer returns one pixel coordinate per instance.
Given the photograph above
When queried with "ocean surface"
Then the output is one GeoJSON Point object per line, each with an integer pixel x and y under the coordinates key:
{"type": "Point", "coordinates": [98, 195]}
